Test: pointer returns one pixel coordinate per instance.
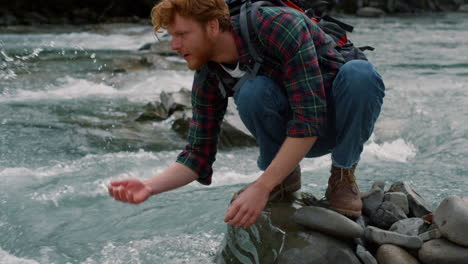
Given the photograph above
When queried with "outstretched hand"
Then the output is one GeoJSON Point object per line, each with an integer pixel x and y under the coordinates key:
{"type": "Point", "coordinates": [129, 191]}
{"type": "Point", "coordinates": [248, 205]}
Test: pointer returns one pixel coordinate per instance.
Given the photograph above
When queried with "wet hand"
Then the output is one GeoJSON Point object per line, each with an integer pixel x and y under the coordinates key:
{"type": "Point", "coordinates": [245, 210]}
{"type": "Point", "coordinates": [129, 191]}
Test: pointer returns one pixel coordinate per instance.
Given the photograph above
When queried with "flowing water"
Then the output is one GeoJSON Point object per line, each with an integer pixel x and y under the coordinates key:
{"type": "Point", "coordinates": [67, 130]}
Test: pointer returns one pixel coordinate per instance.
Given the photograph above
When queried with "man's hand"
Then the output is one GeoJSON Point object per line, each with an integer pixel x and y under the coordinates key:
{"type": "Point", "coordinates": [129, 191]}
{"type": "Point", "coordinates": [246, 208]}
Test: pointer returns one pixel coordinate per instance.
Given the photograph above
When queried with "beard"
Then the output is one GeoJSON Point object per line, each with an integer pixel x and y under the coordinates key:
{"type": "Point", "coordinates": [201, 54]}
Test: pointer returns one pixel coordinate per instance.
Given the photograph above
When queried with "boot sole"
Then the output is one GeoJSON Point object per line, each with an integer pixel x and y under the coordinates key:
{"type": "Point", "coordinates": [348, 213]}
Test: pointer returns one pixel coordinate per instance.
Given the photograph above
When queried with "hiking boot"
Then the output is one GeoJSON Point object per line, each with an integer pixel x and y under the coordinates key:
{"type": "Point", "coordinates": [343, 193]}
{"type": "Point", "coordinates": [289, 185]}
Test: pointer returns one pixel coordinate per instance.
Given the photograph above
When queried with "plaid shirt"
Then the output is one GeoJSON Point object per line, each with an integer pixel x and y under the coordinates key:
{"type": "Point", "coordinates": [298, 56]}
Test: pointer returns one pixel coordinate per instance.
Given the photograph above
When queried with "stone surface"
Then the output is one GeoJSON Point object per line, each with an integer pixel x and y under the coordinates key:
{"type": "Point", "coordinates": [387, 214]}
{"type": "Point", "coordinates": [327, 221]}
{"type": "Point", "coordinates": [452, 219]}
{"type": "Point", "coordinates": [365, 256]}
{"type": "Point", "coordinates": [463, 8]}
{"type": "Point", "coordinates": [314, 248]}
{"type": "Point", "coordinates": [370, 12]}
{"type": "Point", "coordinates": [371, 200]}
{"type": "Point", "coordinates": [391, 254]}
{"type": "Point", "coordinates": [380, 237]}
{"type": "Point", "coordinates": [439, 251]}
{"type": "Point", "coordinates": [399, 199]}
{"type": "Point", "coordinates": [379, 184]}
{"type": "Point", "coordinates": [417, 205]}
{"type": "Point", "coordinates": [410, 227]}
{"type": "Point", "coordinates": [431, 234]}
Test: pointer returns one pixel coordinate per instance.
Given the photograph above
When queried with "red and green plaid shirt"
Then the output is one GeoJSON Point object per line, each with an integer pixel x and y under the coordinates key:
{"type": "Point", "coordinates": [289, 41]}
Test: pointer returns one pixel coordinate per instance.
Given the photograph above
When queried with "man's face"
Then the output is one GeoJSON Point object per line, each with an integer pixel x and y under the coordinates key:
{"type": "Point", "coordinates": [191, 40]}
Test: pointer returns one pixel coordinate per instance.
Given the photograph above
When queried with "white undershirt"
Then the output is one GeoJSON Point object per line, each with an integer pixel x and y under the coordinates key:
{"type": "Point", "coordinates": [236, 73]}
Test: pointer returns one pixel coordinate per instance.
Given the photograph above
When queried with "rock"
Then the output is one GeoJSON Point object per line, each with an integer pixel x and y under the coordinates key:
{"type": "Point", "coordinates": [372, 200]}
{"type": "Point", "coordinates": [365, 256]}
{"type": "Point", "coordinates": [410, 227]}
{"type": "Point", "coordinates": [387, 214]}
{"type": "Point", "coordinates": [153, 112]}
{"type": "Point", "coordinates": [431, 234]}
{"type": "Point", "coordinates": [380, 237]}
{"type": "Point", "coordinates": [417, 205]}
{"type": "Point", "coordinates": [399, 199]}
{"type": "Point", "coordinates": [452, 219]}
{"type": "Point", "coordinates": [179, 101]}
{"type": "Point", "coordinates": [370, 12]}
{"type": "Point", "coordinates": [463, 8]}
{"type": "Point", "coordinates": [314, 248]}
{"type": "Point", "coordinates": [442, 251]}
{"type": "Point", "coordinates": [391, 254]}
{"type": "Point", "coordinates": [327, 221]}
{"type": "Point", "coordinates": [379, 184]}
{"type": "Point", "coordinates": [362, 221]}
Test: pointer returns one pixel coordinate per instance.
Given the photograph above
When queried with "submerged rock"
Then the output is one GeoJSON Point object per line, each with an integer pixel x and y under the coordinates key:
{"type": "Point", "coordinates": [452, 219]}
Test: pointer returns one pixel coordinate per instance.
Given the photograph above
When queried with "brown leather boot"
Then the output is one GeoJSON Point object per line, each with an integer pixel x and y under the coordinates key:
{"type": "Point", "coordinates": [343, 193]}
{"type": "Point", "coordinates": [289, 185]}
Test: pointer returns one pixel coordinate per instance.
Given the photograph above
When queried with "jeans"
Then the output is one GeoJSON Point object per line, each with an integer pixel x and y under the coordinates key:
{"type": "Point", "coordinates": [354, 104]}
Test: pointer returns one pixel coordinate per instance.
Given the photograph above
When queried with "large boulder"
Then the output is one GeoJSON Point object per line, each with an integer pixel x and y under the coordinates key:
{"type": "Point", "coordinates": [439, 251]}
{"type": "Point", "coordinates": [452, 219]}
{"type": "Point", "coordinates": [391, 254]}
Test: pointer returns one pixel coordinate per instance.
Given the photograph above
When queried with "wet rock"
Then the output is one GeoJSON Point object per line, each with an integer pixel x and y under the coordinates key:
{"type": "Point", "coordinates": [315, 248]}
{"type": "Point", "coordinates": [327, 221]}
{"type": "Point", "coordinates": [391, 254]}
{"type": "Point", "coordinates": [417, 205]}
{"type": "Point", "coordinates": [179, 101]}
{"type": "Point", "coordinates": [387, 214]}
{"type": "Point", "coordinates": [463, 8]}
{"type": "Point", "coordinates": [370, 12]}
{"type": "Point", "coordinates": [452, 219]}
{"type": "Point", "coordinates": [365, 256]}
{"type": "Point", "coordinates": [399, 199]}
{"type": "Point", "coordinates": [380, 237]}
{"type": "Point", "coordinates": [410, 227]}
{"type": "Point", "coordinates": [431, 234]}
{"type": "Point", "coordinates": [379, 184]}
{"type": "Point", "coordinates": [442, 251]}
{"type": "Point", "coordinates": [153, 112]}
{"type": "Point", "coordinates": [371, 200]}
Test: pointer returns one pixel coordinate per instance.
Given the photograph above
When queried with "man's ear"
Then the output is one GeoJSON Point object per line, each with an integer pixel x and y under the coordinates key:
{"type": "Point", "coordinates": [212, 27]}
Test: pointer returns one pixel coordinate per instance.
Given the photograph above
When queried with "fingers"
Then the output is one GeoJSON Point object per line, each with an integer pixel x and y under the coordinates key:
{"type": "Point", "coordinates": [231, 212]}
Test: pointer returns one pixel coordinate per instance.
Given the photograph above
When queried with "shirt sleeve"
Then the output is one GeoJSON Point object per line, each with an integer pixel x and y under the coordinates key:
{"type": "Point", "coordinates": [208, 109]}
{"type": "Point", "coordinates": [288, 38]}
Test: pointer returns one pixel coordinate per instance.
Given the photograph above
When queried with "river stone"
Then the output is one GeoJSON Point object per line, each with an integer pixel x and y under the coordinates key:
{"type": "Point", "coordinates": [370, 12]}
{"type": "Point", "coordinates": [365, 256]}
{"type": "Point", "coordinates": [371, 200]}
{"type": "Point", "coordinates": [327, 221]}
{"type": "Point", "coordinates": [443, 251]}
{"type": "Point", "coordinates": [387, 214]}
{"type": "Point", "coordinates": [410, 227]}
{"type": "Point", "coordinates": [391, 254]}
{"type": "Point", "coordinates": [463, 8]}
{"type": "Point", "coordinates": [315, 248]}
{"type": "Point", "coordinates": [452, 219]}
{"type": "Point", "coordinates": [379, 184]}
{"type": "Point", "coordinates": [417, 205]}
{"type": "Point", "coordinates": [399, 199]}
{"type": "Point", "coordinates": [431, 234]}
{"type": "Point", "coordinates": [380, 236]}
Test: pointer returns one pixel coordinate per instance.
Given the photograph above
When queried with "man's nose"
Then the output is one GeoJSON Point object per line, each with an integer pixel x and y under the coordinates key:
{"type": "Point", "coordinates": [175, 43]}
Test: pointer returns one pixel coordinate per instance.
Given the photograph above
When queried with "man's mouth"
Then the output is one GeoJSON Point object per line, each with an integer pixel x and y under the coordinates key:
{"type": "Point", "coordinates": [186, 56]}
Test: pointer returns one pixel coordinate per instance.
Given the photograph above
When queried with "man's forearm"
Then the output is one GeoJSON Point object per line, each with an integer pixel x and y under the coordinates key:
{"type": "Point", "coordinates": [175, 176]}
{"type": "Point", "coordinates": [290, 154]}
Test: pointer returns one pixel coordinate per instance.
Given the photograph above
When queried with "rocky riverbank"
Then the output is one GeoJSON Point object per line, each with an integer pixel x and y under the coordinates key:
{"type": "Point", "coordinates": [397, 226]}
{"type": "Point", "coordinates": [23, 12]}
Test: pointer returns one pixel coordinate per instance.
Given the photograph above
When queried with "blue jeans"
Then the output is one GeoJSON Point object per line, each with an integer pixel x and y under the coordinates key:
{"type": "Point", "coordinates": [354, 105]}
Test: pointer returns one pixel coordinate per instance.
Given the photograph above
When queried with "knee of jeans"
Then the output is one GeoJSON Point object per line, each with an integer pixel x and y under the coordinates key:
{"type": "Point", "coordinates": [255, 96]}
{"type": "Point", "coordinates": [362, 79]}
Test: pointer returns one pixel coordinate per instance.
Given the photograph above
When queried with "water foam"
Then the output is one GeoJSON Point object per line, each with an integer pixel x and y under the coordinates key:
{"type": "Point", "coordinates": [397, 150]}
{"type": "Point", "coordinates": [5, 257]}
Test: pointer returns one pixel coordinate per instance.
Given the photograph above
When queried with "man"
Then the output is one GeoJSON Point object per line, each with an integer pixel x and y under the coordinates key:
{"type": "Point", "coordinates": [304, 102]}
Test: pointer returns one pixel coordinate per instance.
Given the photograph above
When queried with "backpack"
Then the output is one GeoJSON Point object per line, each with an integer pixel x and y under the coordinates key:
{"type": "Point", "coordinates": [247, 10]}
